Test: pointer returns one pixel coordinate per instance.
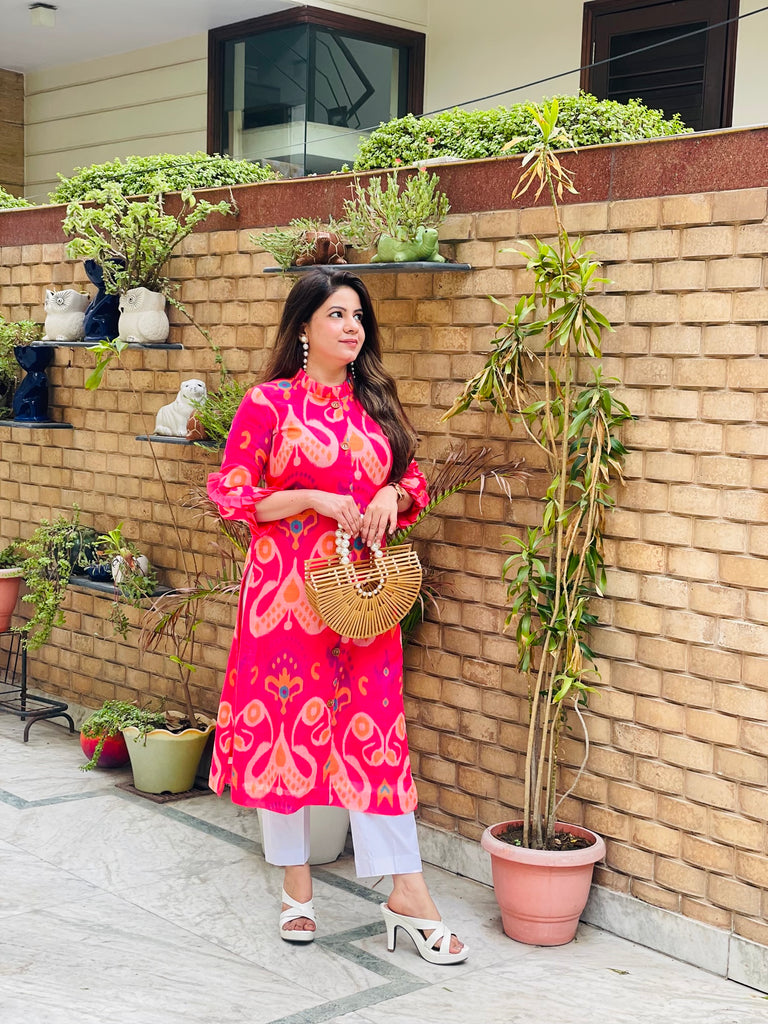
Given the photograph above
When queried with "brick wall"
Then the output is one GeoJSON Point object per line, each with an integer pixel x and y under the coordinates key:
{"type": "Point", "coordinates": [677, 774]}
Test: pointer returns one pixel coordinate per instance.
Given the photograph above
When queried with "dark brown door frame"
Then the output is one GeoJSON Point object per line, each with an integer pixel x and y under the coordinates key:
{"type": "Point", "coordinates": [361, 27]}
{"type": "Point", "coordinates": [594, 8]}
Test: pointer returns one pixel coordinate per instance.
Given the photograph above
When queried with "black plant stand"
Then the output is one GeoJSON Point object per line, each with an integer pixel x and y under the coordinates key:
{"type": "Point", "coordinates": [13, 687]}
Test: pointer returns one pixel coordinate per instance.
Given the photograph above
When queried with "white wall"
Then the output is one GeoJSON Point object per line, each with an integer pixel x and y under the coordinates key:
{"type": "Point", "coordinates": [750, 99]}
{"type": "Point", "coordinates": [477, 47]}
{"type": "Point", "coordinates": [148, 101]}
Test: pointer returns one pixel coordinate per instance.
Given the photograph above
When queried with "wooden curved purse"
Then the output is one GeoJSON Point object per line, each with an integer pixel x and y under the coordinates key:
{"type": "Point", "coordinates": [364, 598]}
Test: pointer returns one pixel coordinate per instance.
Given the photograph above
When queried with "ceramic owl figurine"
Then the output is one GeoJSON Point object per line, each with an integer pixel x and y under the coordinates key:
{"type": "Point", "coordinates": [142, 316]}
{"type": "Point", "coordinates": [172, 419]}
{"type": "Point", "coordinates": [64, 315]}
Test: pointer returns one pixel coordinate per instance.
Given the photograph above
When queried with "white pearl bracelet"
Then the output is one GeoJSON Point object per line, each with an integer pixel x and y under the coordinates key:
{"type": "Point", "coordinates": [342, 551]}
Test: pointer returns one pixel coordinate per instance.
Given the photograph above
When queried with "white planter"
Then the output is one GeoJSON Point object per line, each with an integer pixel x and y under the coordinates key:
{"type": "Point", "coordinates": [142, 317]}
{"type": "Point", "coordinates": [120, 570]}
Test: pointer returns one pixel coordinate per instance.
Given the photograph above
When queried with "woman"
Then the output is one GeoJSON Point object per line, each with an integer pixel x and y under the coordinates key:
{"type": "Point", "coordinates": [308, 717]}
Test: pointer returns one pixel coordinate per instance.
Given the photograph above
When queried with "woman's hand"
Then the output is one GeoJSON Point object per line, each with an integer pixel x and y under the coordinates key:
{"type": "Point", "coordinates": [380, 516]}
{"type": "Point", "coordinates": [340, 507]}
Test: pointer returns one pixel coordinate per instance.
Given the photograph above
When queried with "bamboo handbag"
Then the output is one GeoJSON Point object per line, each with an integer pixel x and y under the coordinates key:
{"type": "Point", "coordinates": [364, 598]}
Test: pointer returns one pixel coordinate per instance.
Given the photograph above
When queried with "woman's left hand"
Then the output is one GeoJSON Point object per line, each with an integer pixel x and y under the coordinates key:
{"type": "Point", "coordinates": [380, 516]}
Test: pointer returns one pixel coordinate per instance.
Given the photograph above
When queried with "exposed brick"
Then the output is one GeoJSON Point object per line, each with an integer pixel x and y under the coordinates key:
{"type": "Point", "coordinates": [654, 309]}
{"type": "Point", "coordinates": [750, 306]}
{"type": "Point", "coordinates": [738, 831]}
{"type": "Point", "coordinates": [706, 913]}
{"type": "Point", "coordinates": [739, 205]}
{"type": "Point", "coordinates": [708, 241]}
{"type": "Point", "coordinates": [686, 753]}
{"type": "Point", "coordinates": [681, 877]}
{"type": "Point", "coordinates": [733, 339]}
{"type": "Point", "coordinates": [649, 835]}
{"type": "Point", "coordinates": [654, 245]}
{"type": "Point", "coordinates": [692, 209]}
{"type": "Point", "coordinates": [680, 276]}
{"type": "Point", "coordinates": [676, 340]}
{"type": "Point", "coordinates": [733, 273]}
{"type": "Point", "coordinates": [725, 892]}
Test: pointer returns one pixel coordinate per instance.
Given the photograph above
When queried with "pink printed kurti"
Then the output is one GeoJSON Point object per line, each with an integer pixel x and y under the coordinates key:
{"type": "Point", "coordinates": [307, 717]}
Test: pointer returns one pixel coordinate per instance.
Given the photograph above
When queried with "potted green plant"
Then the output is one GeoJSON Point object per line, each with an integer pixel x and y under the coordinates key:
{"type": "Point", "coordinates": [9, 366]}
{"type": "Point", "coordinates": [101, 734]}
{"type": "Point", "coordinates": [557, 569]}
{"type": "Point", "coordinates": [133, 577]}
{"type": "Point", "coordinates": [400, 219]}
{"type": "Point", "coordinates": [57, 549]}
{"type": "Point", "coordinates": [304, 242]}
{"type": "Point", "coordinates": [11, 573]}
{"type": "Point", "coordinates": [132, 240]}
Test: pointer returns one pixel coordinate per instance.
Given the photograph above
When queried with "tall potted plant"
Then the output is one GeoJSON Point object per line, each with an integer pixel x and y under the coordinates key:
{"type": "Point", "coordinates": [131, 240]}
{"type": "Point", "coordinates": [557, 568]}
{"type": "Point", "coordinates": [401, 219]}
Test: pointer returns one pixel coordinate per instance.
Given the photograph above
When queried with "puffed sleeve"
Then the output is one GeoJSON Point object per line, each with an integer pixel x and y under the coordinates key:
{"type": "Point", "coordinates": [237, 487]}
{"type": "Point", "coordinates": [415, 485]}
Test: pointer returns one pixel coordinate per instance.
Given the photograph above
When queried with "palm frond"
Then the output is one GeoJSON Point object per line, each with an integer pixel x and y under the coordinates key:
{"type": "Point", "coordinates": [459, 467]}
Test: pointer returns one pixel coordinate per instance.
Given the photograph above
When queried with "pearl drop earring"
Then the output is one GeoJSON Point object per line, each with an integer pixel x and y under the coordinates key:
{"type": "Point", "coordinates": [305, 346]}
{"type": "Point", "coordinates": [352, 369]}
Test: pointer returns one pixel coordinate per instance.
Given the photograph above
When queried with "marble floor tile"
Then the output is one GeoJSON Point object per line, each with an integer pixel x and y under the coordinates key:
{"type": "Point", "coordinates": [108, 960]}
{"type": "Point", "coordinates": [30, 883]}
{"type": "Point", "coordinates": [115, 908]}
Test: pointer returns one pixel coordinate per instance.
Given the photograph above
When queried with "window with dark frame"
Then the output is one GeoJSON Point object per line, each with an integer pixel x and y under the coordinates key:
{"type": "Point", "coordinates": [297, 89]}
{"type": "Point", "coordinates": [691, 76]}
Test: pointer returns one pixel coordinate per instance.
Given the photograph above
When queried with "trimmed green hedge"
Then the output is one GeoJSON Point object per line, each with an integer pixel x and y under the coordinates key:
{"type": "Point", "coordinates": [167, 171]}
{"type": "Point", "coordinates": [9, 202]}
{"type": "Point", "coordinates": [472, 134]}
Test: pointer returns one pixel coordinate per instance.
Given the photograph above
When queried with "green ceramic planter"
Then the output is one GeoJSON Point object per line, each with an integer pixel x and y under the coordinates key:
{"type": "Point", "coordinates": [422, 248]}
{"type": "Point", "coordinates": [167, 762]}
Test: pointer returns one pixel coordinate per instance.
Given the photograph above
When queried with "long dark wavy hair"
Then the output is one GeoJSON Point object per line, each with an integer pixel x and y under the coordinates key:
{"type": "Point", "coordinates": [373, 387]}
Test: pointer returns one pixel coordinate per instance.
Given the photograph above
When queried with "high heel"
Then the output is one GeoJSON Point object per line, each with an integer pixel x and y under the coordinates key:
{"type": "Point", "coordinates": [293, 913]}
{"type": "Point", "coordinates": [435, 948]}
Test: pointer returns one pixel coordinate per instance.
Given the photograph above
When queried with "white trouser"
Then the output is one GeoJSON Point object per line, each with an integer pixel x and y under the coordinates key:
{"type": "Point", "coordinates": [384, 844]}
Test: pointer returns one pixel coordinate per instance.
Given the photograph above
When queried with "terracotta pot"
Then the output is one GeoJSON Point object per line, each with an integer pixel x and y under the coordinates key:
{"type": "Point", "coordinates": [10, 582]}
{"type": "Point", "coordinates": [541, 893]}
{"type": "Point", "coordinates": [114, 753]}
{"type": "Point", "coordinates": [165, 762]}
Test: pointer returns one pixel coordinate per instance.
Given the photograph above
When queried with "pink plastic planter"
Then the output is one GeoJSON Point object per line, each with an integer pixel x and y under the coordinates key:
{"type": "Point", "coordinates": [10, 582]}
{"type": "Point", "coordinates": [541, 893]}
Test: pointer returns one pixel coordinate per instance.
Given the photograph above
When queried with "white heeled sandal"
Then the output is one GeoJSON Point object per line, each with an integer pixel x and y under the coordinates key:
{"type": "Point", "coordinates": [435, 948]}
{"type": "Point", "coordinates": [293, 913]}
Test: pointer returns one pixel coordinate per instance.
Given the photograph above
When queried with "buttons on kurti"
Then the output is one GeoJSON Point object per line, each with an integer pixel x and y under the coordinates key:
{"type": "Point", "coordinates": [345, 446]}
{"type": "Point", "coordinates": [335, 651]}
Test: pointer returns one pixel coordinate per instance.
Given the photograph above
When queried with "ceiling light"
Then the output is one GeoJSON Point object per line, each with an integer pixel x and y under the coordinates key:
{"type": "Point", "coordinates": [43, 15]}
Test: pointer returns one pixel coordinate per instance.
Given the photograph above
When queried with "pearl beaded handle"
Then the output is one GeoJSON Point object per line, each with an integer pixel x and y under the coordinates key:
{"type": "Point", "coordinates": [342, 552]}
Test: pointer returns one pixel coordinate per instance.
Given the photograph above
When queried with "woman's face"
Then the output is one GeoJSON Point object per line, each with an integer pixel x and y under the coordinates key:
{"type": "Point", "coordinates": [335, 335]}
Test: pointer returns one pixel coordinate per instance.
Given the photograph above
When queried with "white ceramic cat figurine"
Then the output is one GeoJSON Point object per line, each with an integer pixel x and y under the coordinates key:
{"type": "Point", "coordinates": [172, 419]}
{"type": "Point", "coordinates": [64, 315]}
{"type": "Point", "coordinates": [142, 316]}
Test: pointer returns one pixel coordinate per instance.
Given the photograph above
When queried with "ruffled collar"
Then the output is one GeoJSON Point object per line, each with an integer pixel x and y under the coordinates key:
{"type": "Point", "coordinates": [325, 391]}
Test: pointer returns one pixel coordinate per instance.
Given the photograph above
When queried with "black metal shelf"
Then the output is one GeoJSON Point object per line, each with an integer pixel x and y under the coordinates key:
{"type": "Point", "coordinates": [13, 687]}
{"type": "Point", "coordinates": [36, 424]}
{"type": "Point", "coordinates": [420, 267]}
